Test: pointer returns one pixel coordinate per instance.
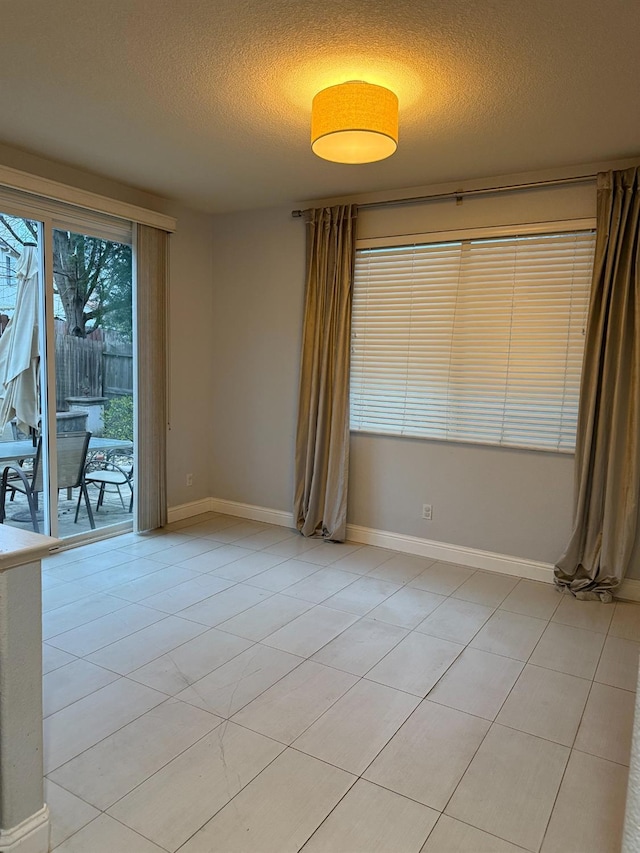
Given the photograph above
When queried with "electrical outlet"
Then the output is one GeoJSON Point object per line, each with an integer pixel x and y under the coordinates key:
{"type": "Point", "coordinates": [189, 479]}
{"type": "Point", "coordinates": [427, 512]}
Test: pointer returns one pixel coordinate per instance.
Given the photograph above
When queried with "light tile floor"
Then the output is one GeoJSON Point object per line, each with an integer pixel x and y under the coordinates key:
{"type": "Point", "coordinates": [225, 685]}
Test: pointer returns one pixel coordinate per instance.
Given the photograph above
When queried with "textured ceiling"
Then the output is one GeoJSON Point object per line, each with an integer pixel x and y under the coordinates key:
{"type": "Point", "coordinates": [208, 101]}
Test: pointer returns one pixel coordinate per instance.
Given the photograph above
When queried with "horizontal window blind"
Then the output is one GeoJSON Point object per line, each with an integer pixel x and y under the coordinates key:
{"type": "Point", "coordinates": [475, 340]}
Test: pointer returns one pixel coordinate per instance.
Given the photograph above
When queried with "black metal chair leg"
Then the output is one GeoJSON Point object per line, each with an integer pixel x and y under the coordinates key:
{"type": "Point", "coordinates": [83, 491]}
{"type": "Point", "coordinates": [31, 496]}
{"type": "Point", "coordinates": [3, 497]}
{"type": "Point", "coordinates": [120, 496]}
{"type": "Point", "coordinates": [33, 509]}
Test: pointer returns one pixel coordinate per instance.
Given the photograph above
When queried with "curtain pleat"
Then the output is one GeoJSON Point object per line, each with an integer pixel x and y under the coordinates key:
{"type": "Point", "coordinates": [322, 438]}
{"type": "Point", "coordinates": [152, 249]}
{"type": "Point", "coordinates": [607, 491]}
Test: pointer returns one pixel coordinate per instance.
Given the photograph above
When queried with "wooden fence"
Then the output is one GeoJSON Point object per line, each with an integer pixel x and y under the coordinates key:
{"type": "Point", "coordinates": [118, 369]}
{"type": "Point", "coordinates": [91, 368]}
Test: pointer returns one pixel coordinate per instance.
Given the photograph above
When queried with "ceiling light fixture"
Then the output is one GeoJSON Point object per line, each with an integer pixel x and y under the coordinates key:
{"type": "Point", "coordinates": [354, 122]}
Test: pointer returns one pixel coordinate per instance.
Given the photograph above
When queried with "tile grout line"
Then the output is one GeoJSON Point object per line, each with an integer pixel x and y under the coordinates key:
{"type": "Point", "coordinates": [275, 758]}
{"type": "Point", "coordinates": [570, 748]}
{"type": "Point", "coordinates": [177, 755]}
{"type": "Point", "coordinates": [223, 722]}
{"type": "Point", "coordinates": [492, 723]}
{"type": "Point", "coordinates": [290, 746]}
{"type": "Point", "coordinates": [89, 621]}
{"type": "Point", "coordinates": [130, 559]}
{"type": "Point", "coordinates": [112, 642]}
{"type": "Point", "coordinates": [408, 718]}
{"type": "Point", "coordinates": [360, 617]}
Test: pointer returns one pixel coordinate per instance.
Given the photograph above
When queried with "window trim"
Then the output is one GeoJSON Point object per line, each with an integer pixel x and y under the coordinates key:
{"type": "Point", "coordinates": [479, 233]}
{"type": "Point", "coordinates": [65, 194]}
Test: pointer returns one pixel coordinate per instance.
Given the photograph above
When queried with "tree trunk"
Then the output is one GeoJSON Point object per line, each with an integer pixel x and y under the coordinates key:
{"type": "Point", "coordinates": [67, 263]}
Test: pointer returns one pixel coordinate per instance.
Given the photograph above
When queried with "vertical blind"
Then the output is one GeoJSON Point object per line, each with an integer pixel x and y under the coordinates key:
{"type": "Point", "coordinates": [476, 340]}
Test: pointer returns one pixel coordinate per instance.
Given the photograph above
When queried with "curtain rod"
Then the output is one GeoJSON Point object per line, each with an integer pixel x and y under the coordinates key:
{"type": "Point", "coordinates": [460, 194]}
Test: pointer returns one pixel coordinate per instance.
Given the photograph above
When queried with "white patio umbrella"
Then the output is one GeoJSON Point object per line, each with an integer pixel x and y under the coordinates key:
{"type": "Point", "coordinates": [19, 350]}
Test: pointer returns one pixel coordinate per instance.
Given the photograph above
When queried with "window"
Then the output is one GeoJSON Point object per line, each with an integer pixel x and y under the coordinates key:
{"type": "Point", "coordinates": [476, 340]}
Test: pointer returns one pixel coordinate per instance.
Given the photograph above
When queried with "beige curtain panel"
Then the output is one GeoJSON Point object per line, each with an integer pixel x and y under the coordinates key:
{"type": "Point", "coordinates": [608, 442]}
{"type": "Point", "coordinates": [152, 266]}
{"type": "Point", "coordinates": [322, 439]}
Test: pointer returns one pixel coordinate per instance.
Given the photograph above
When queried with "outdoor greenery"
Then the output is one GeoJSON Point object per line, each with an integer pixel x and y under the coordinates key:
{"type": "Point", "coordinates": [118, 418]}
{"type": "Point", "coordinates": [92, 277]}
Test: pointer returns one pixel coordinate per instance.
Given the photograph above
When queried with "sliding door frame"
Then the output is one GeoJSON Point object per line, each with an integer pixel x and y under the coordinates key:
{"type": "Point", "coordinates": [27, 207]}
{"type": "Point", "coordinates": [48, 201]}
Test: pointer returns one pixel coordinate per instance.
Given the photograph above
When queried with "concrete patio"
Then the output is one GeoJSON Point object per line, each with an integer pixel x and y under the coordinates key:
{"type": "Point", "coordinates": [111, 512]}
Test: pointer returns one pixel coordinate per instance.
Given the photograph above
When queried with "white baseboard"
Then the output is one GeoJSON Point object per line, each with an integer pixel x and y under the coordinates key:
{"type": "Point", "coordinates": [182, 511]}
{"type": "Point", "coordinates": [30, 836]}
{"type": "Point", "coordinates": [460, 554]}
{"type": "Point", "coordinates": [255, 513]}
{"type": "Point", "coordinates": [400, 542]}
{"type": "Point", "coordinates": [474, 558]}
{"type": "Point", "coordinates": [630, 590]}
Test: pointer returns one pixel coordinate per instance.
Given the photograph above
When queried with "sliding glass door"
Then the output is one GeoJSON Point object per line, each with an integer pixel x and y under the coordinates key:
{"type": "Point", "coordinates": [66, 373]}
{"type": "Point", "coordinates": [93, 361]}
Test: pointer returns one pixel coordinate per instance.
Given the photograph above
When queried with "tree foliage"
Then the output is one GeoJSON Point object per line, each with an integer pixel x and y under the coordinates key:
{"type": "Point", "coordinates": [118, 418]}
{"type": "Point", "coordinates": [92, 277]}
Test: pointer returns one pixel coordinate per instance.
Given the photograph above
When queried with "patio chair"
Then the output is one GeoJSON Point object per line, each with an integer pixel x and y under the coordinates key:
{"type": "Point", "coordinates": [71, 458]}
{"type": "Point", "coordinates": [108, 475]}
{"type": "Point", "coordinates": [10, 433]}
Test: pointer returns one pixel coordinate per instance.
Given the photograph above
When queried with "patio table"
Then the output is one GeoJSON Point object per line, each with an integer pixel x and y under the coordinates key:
{"type": "Point", "coordinates": [10, 451]}
{"type": "Point", "coordinates": [19, 450]}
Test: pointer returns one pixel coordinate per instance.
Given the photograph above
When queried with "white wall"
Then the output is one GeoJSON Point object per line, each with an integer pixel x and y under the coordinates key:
{"type": "Point", "coordinates": [507, 501]}
{"type": "Point", "coordinates": [496, 499]}
{"type": "Point", "coordinates": [258, 276]}
{"type": "Point", "coordinates": [190, 358]}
